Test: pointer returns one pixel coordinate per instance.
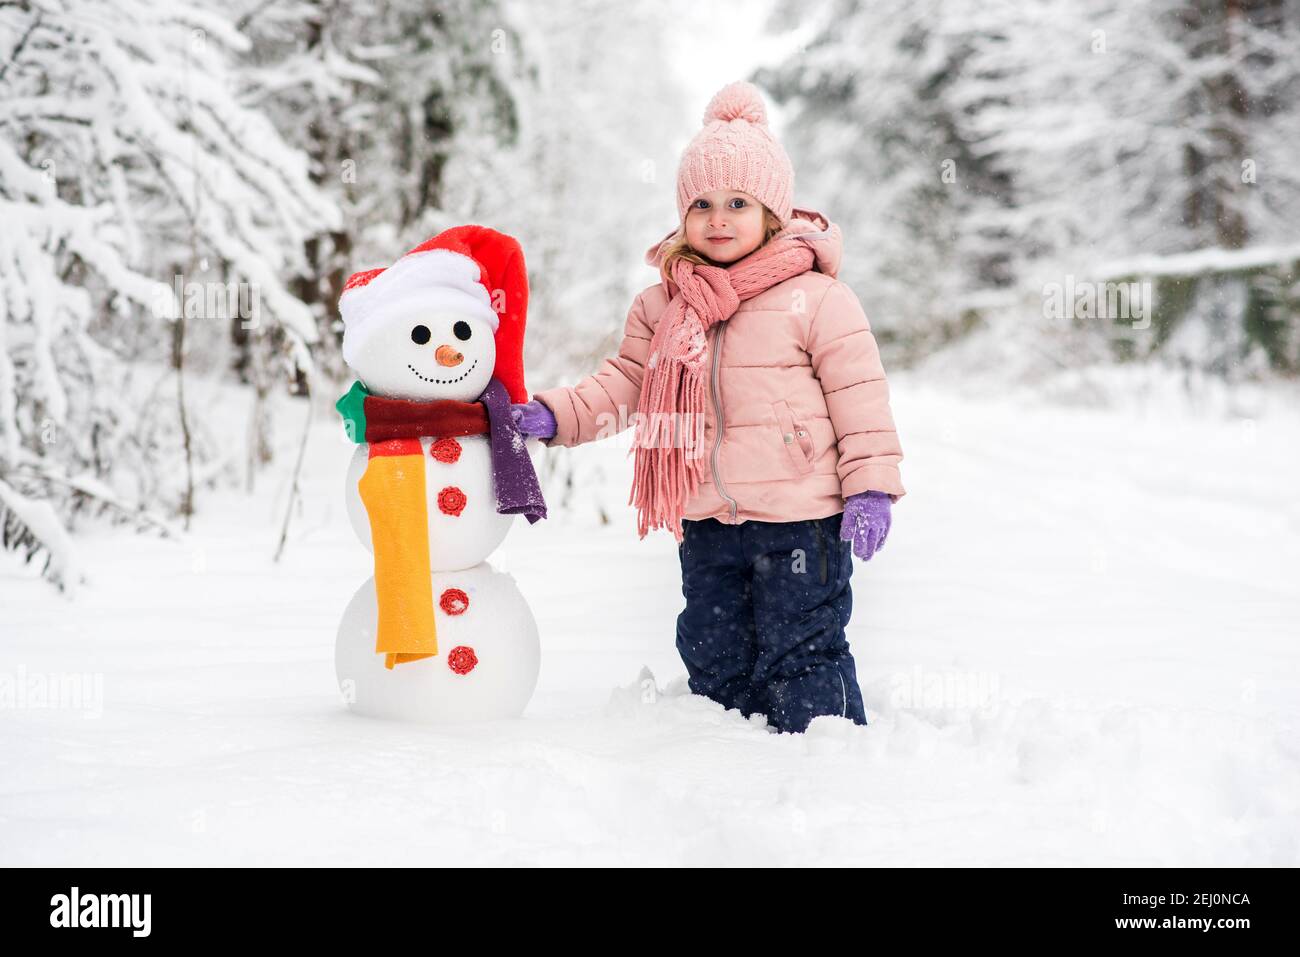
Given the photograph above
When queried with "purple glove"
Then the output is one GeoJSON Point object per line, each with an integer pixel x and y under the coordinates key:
{"type": "Point", "coordinates": [535, 419]}
{"type": "Point", "coordinates": [866, 522]}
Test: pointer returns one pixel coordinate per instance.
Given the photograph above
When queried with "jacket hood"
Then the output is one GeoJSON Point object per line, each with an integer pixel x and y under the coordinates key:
{"type": "Point", "coordinates": [809, 226]}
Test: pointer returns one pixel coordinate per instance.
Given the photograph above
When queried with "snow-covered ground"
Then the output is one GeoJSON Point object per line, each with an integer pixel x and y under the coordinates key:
{"type": "Point", "coordinates": [1079, 647]}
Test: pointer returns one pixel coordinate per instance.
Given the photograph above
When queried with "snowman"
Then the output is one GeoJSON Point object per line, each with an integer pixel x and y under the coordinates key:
{"type": "Point", "coordinates": [440, 472]}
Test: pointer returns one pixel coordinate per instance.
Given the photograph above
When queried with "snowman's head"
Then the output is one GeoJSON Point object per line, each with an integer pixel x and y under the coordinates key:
{"type": "Point", "coordinates": [430, 325]}
{"type": "Point", "coordinates": [424, 354]}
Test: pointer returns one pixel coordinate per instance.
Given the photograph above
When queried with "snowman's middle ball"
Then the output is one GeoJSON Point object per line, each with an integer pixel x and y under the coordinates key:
{"type": "Point", "coordinates": [464, 524]}
{"type": "Point", "coordinates": [424, 354]}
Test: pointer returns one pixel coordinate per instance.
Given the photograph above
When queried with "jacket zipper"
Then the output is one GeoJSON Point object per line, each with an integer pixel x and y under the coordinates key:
{"type": "Point", "coordinates": [717, 407]}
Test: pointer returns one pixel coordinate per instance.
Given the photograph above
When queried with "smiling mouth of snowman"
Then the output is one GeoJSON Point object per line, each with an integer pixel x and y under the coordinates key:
{"type": "Point", "coordinates": [443, 381]}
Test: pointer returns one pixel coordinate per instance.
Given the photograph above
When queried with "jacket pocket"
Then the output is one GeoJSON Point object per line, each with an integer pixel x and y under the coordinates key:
{"type": "Point", "coordinates": [795, 436]}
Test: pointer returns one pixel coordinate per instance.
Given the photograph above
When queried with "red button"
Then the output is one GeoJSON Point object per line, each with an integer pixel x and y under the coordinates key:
{"type": "Point", "coordinates": [462, 659]}
{"type": "Point", "coordinates": [445, 450]}
{"type": "Point", "coordinates": [451, 500]}
{"type": "Point", "coordinates": [454, 601]}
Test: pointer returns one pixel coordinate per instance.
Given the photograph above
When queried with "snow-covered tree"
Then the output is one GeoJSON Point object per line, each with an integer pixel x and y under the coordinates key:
{"type": "Point", "coordinates": [136, 191]}
{"type": "Point", "coordinates": [383, 97]}
{"type": "Point", "coordinates": [1074, 136]}
{"type": "Point", "coordinates": [878, 140]}
{"type": "Point", "coordinates": [1159, 129]}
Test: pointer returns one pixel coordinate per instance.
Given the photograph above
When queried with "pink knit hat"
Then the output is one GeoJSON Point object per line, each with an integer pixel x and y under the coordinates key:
{"type": "Point", "coordinates": [736, 150]}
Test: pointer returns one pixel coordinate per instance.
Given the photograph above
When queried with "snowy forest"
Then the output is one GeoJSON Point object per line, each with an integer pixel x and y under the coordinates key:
{"type": "Point", "coordinates": [1073, 224]}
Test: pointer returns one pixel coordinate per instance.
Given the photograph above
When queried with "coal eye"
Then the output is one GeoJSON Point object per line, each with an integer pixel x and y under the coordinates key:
{"type": "Point", "coordinates": [462, 330]}
{"type": "Point", "coordinates": [420, 335]}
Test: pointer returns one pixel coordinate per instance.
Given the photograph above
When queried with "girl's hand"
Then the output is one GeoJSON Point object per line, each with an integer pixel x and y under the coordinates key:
{"type": "Point", "coordinates": [534, 419]}
{"type": "Point", "coordinates": [866, 522]}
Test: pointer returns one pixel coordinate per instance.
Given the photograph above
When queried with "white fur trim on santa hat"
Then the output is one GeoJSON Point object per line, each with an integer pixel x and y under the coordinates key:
{"type": "Point", "coordinates": [435, 280]}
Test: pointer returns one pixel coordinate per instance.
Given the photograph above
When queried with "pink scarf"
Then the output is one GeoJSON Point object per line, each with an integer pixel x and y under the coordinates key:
{"type": "Point", "coordinates": [669, 463]}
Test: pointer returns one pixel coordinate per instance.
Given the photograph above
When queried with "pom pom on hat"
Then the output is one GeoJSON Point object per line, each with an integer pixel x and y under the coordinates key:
{"type": "Point", "coordinates": [737, 151]}
{"type": "Point", "coordinates": [737, 101]}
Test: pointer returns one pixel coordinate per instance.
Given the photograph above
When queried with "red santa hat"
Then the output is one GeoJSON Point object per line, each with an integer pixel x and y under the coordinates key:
{"type": "Point", "coordinates": [473, 270]}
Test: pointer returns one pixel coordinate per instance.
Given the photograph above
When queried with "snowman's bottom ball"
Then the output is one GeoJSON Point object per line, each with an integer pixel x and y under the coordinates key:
{"type": "Point", "coordinates": [487, 661]}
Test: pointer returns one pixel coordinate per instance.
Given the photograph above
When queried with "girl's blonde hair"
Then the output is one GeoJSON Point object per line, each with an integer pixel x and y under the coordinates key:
{"type": "Point", "coordinates": [679, 248]}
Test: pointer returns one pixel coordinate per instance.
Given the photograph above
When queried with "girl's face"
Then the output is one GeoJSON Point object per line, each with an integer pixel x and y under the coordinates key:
{"type": "Point", "coordinates": [724, 225]}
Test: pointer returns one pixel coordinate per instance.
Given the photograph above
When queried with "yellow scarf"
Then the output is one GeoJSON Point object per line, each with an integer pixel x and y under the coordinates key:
{"type": "Point", "coordinates": [393, 492]}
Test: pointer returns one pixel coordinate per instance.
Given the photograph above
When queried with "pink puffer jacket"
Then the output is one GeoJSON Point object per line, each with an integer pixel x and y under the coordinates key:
{"type": "Point", "coordinates": [796, 381]}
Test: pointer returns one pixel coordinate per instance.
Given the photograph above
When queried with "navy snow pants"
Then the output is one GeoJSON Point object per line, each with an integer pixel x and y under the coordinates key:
{"type": "Point", "coordinates": [763, 627]}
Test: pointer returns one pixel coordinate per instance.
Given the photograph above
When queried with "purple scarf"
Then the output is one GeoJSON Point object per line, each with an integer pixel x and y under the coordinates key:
{"type": "Point", "coordinates": [518, 492]}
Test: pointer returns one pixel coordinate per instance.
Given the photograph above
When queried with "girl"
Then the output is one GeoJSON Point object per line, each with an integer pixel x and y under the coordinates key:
{"type": "Point", "coordinates": [751, 340]}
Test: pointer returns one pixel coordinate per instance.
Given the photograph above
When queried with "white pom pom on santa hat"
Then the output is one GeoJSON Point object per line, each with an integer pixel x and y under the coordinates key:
{"type": "Point", "coordinates": [472, 270]}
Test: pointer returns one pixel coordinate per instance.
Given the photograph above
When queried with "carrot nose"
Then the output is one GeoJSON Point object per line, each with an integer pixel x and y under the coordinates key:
{"type": "Point", "coordinates": [447, 356]}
